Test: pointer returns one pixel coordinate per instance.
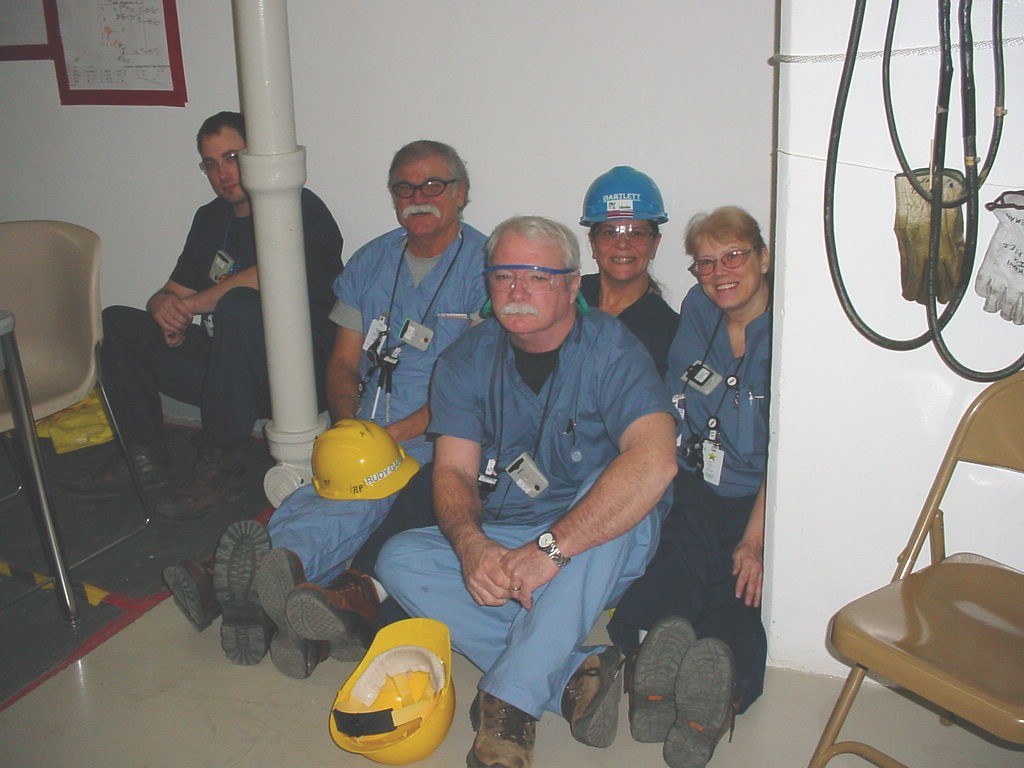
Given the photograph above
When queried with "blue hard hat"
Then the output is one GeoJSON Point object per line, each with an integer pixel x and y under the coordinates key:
{"type": "Point", "coordinates": [623, 193]}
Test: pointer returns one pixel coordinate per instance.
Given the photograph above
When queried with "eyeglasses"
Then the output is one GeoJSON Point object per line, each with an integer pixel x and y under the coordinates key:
{"type": "Point", "coordinates": [729, 259]}
{"type": "Point", "coordinates": [634, 235]}
{"type": "Point", "coordinates": [432, 187]}
{"type": "Point", "coordinates": [533, 279]}
{"type": "Point", "coordinates": [228, 159]}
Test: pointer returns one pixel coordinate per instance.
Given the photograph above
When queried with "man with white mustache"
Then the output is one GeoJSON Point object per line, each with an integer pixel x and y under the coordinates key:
{"type": "Point", "coordinates": [406, 295]}
{"type": "Point", "coordinates": [555, 443]}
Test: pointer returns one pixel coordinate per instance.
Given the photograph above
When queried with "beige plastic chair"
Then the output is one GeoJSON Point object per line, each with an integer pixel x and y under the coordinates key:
{"type": "Point", "coordinates": [953, 631]}
{"type": "Point", "coordinates": [49, 292]}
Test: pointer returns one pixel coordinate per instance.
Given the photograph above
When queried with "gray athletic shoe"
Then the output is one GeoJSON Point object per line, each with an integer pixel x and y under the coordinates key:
{"type": "Point", "coordinates": [704, 704]}
{"type": "Point", "coordinates": [651, 678]}
{"type": "Point", "coordinates": [245, 629]}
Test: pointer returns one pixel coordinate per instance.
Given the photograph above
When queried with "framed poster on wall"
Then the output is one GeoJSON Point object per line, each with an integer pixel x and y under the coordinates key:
{"type": "Point", "coordinates": [117, 51]}
{"type": "Point", "coordinates": [23, 31]}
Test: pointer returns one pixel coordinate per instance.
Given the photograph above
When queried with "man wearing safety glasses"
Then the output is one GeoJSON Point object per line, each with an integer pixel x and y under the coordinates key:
{"type": "Point", "coordinates": [555, 452]}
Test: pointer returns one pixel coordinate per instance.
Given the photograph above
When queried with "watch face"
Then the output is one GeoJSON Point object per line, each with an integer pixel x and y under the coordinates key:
{"type": "Point", "coordinates": [545, 540]}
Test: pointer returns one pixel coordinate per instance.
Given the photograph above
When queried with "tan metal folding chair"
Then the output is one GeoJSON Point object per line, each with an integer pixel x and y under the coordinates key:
{"type": "Point", "coordinates": [952, 632]}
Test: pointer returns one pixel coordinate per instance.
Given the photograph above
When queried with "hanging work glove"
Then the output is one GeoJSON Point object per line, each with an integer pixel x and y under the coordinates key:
{"type": "Point", "coordinates": [913, 230]}
{"type": "Point", "coordinates": [1000, 279]}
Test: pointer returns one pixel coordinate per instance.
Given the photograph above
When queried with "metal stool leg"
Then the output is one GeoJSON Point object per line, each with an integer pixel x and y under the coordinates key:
{"type": "Point", "coordinates": [21, 408]}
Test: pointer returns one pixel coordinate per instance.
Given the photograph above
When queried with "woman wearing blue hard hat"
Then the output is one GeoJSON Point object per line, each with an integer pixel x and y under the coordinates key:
{"type": "Point", "coordinates": [623, 209]}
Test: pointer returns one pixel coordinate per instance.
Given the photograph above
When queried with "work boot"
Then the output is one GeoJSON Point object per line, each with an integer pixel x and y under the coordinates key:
{"type": "Point", "coordinates": [590, 701]}
{"type": "Point", "coordinates": [213, 481]}
{"type": "Point", "coordinates": [505, 735]}
{"type": "Point", "coordinates": [651, 678]}
{"type": "Point", "coordinates": [112, 479]}
{"type": "Point", "coordinates": [705, 704]}
{"type": "Point", "coordinates": [245, 629]}
{"type": "Point", "coordinates": [279, 574]}
{"type": "Point", "coordinates": [346, 614]}
{"type": "Point", "coordinates": [191, 586]}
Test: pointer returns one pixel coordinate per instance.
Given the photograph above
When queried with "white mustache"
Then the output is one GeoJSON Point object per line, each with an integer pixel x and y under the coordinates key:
{"type": "Point", "coordinates": [519, 309]}
{"type": "Point", "coordinates": [409, 210]}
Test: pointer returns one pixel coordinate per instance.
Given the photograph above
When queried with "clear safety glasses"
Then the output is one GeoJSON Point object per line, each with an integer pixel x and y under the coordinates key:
{"type": "Point", "coordinates": [533, 279]}
{"type": "Point", "coordinates": [729, 259]}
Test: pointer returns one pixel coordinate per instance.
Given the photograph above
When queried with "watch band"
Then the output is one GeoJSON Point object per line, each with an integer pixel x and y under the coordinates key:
{"type": "Point", "coordinates": [547, 544]}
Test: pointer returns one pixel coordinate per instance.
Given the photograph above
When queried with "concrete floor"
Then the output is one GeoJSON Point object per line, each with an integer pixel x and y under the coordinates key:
{"type": "Point", "coordinates": [160, 694]}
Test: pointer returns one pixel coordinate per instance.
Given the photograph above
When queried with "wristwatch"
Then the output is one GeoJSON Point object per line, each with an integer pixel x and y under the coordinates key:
{"type": "Point", "coordinates": [547, 544]}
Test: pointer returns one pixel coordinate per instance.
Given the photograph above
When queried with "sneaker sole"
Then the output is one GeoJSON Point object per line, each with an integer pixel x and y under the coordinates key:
{"type": "Point", "coordinates": [597, 728]}
{"type": "Point", "coordinates": [652, 700]}
{"type": "Point", "coordinates": [244, 631]}
{"type": "Point", "coordinates": [312, 617]}
{"type": "Point", "coordinates": [278, 575]}
{"type": "Point", "coordinates": [186, 596]}
{"type": "Point", "coordinates": [704, 696]}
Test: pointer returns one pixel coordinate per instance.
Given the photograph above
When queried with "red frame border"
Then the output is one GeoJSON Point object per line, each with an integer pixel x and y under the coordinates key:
{"type": "Point", "coordinates": [175, 97]}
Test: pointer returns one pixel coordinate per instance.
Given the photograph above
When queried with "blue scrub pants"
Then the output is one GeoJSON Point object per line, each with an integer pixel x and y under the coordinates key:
{"type": "Point", "coordinates": [225, 376]}
{"type": "Point", "coordinates": [691, 576]}
{"type": "Point", "coordinates": [325, 533]}
{"type": "Point", "coordinates": [527, 656]}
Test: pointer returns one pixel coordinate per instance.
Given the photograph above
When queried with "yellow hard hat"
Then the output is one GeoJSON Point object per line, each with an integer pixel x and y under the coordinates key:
{"type": "Point", "coordinates": [358, 459]}
{"type": "Point", "coordinates": [397, 706]}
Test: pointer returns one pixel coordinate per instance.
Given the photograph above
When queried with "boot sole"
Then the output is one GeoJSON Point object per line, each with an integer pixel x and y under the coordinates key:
{"type": "Point", "coordinates": [312, 617]}
{"type": "Point", "coordinates": [652, 700]}
{"type": "Point", "coordinates": [278, 575]}
{"type": "Point", "coordinates": [597, 727]}
{"type": "Point", "coordinates": [244, 631]}
{"type": "Point", "coordinates": [186, 596]}
{"type": "Point", "coordinates": [703, 699]}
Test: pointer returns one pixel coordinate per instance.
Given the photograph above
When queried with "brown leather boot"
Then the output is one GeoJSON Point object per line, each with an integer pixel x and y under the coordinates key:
{"type": "Point", "coordinates": [112, 479]}
{"type": "Point", "coordinates": [279, 573]}
{"type": "Point", "coordinates": [346, 614]}
{"type": "Point", "coordinates": [191, 586]}
{"type": "Point", "coordinates": [505, 735]}
{"type": "Point", "coordinates": [214, 480]}
{"type": "Point", "coordinates": [590, 701]}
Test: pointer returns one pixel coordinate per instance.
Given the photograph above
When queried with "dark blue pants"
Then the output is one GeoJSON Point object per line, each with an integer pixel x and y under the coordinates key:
{"type": "Point", "coordinates": [691, 576]}
{"type": "Point", "coordinates": [225, 376]}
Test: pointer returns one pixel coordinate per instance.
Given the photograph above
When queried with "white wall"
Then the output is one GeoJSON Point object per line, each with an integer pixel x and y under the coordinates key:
{"type": "Point", "coordinates": [860, 430]}
{"type": "Point", "coordinates": [539, 98]}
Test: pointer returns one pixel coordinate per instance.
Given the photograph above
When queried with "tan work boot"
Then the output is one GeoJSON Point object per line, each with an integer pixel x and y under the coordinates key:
{"type": "Point", "coordinates": [505, 735]}
{"type": "Point", "coordinates": [213, 481]}
{"type": "Point", "coordinates": [346, 614]}
{"type": "Point", "coordinates": [591, 699]}
{"type": "Point", "coordinates": [112, 479]}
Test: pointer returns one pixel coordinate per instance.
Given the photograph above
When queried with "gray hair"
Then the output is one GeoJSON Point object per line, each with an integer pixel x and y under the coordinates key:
{"type": "Point", "coordinates": [424, 148]}
{"type": "Point", "coordinates": [539, 230]}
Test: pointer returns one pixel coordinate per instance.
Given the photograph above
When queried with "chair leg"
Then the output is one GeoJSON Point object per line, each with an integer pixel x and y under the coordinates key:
{"type": "Point", "coordinates": [823, 753]}
{"type": "Point", "coordinates": [19, 481]}
{"type": "Point", "coordinates": [21, 409]}
{"type": "Point", "coordinates": [133, 471]}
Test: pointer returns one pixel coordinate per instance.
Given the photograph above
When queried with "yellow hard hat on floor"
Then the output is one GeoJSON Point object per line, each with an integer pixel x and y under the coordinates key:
{"type": "Point", "coordinates": [398, 704]}
{"type": "Point", "coordinates": [358, 459]}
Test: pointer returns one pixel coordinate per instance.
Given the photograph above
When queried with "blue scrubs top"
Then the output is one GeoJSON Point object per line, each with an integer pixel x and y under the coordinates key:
{"type": "Point", "coordinates": [742, 411]}
{"type": "Point", "coordinates": [377, 280]}
{"type": "Point", "coordinates": [603, 382]}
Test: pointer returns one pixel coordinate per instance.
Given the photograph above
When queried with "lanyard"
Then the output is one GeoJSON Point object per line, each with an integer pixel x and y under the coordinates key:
{"type": "Point", "coordinates": [730, 381]}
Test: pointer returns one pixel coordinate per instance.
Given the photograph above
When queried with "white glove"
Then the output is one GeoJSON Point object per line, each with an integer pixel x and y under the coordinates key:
{"type": "Point", "coordinates": [1000, 279]}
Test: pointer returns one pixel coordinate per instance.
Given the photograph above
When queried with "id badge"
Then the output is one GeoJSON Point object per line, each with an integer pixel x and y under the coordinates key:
{"type": "Point", "coordinates": [222, 266]}
{"type": "Point", "coordinates": [702, 378]}
{"type": "Point", "coordinates": [378, 328]}
{"type": "Point", "coordinates": [416, 335]}
{"type": "Point", "coordinates": [527, 475]}
{"type": "Point", "coordinates": [714, 458]}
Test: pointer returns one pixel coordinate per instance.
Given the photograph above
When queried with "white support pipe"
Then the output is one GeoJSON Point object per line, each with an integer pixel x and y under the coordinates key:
{"type": "Point", "coordinates": [274, 172]}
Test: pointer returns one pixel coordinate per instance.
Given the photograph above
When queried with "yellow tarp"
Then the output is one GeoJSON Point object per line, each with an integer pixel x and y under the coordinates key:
{"type": "Point", "coordinates": [80, 425]}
